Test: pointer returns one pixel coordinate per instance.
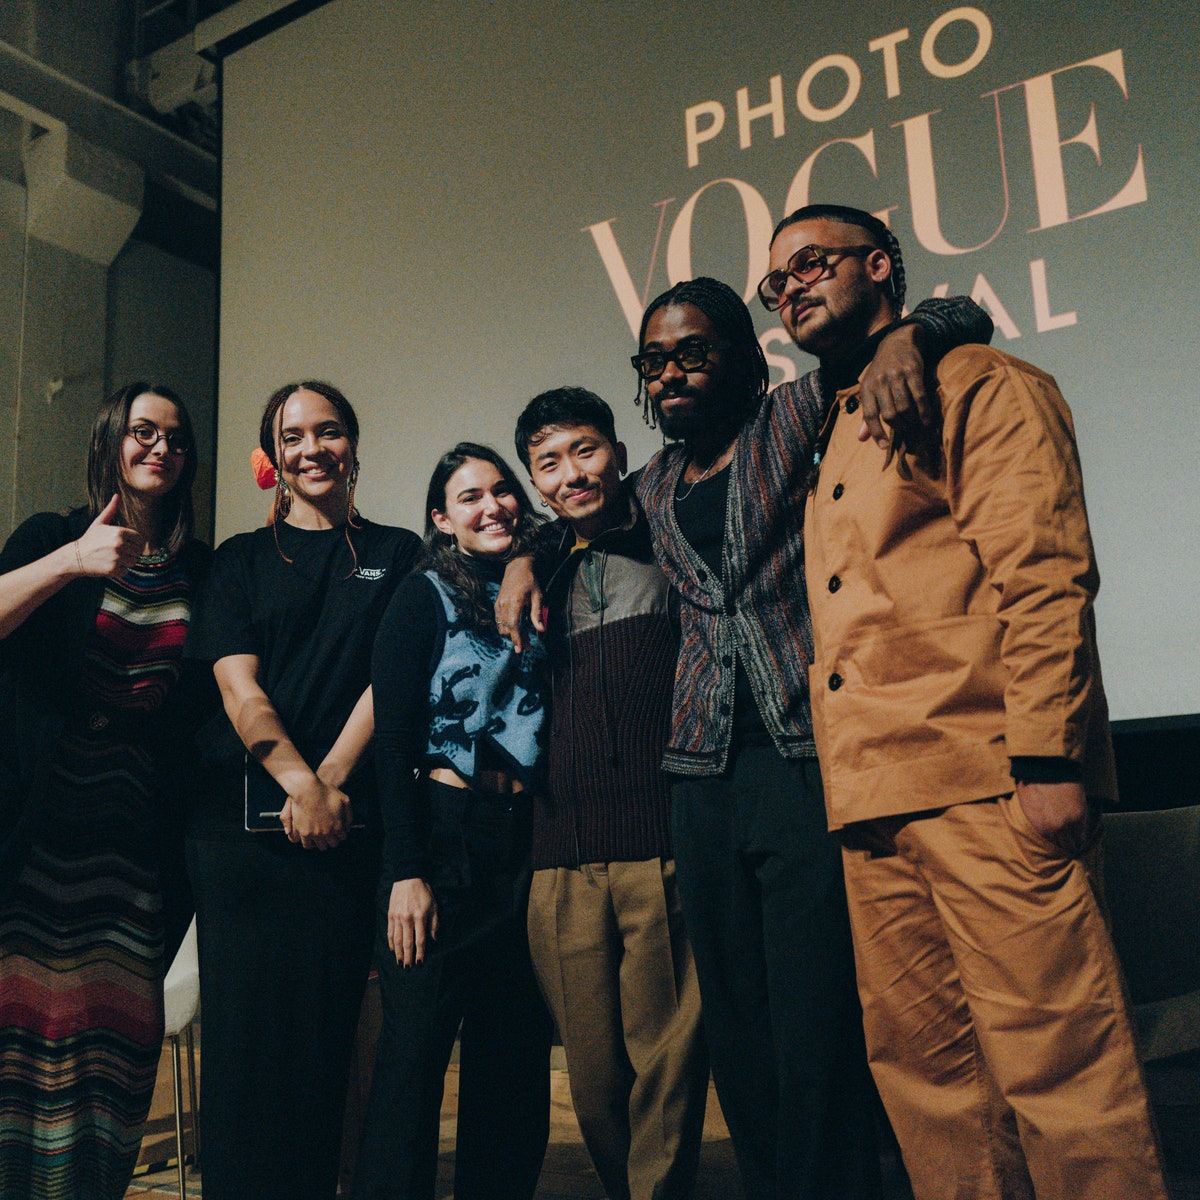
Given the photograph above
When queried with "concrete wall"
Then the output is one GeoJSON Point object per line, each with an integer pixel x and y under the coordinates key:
{"type": "Point", "coordinates": [60, 377]}
{"type": "Point", "coordinates": [71, 330]}
{"type": "Point", "coordinates": [162, 327]}
{"type": "Point", "coordinates": [12, 274]}
{"type": "Point", "coordinates": [85, 39]}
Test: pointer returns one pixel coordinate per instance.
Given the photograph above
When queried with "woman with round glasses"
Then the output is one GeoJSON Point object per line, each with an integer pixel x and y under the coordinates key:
{"type": "Point", "coordinates": [460, 727]}
{"type": "Point", "coordinates": [283, 848]}
{"type": "Point", "coordinates": [94, 609]}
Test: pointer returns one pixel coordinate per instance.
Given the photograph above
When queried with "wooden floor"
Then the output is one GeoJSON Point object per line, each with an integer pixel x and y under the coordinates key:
{"type": "Point", "coordinates": [568, 1174]}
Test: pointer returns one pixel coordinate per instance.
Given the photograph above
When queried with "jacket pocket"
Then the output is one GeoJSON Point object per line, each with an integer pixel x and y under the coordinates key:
{"type": "Point", "coordinates": [911, 691]}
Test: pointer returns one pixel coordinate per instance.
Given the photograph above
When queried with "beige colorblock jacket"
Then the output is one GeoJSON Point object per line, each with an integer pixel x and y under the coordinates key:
{"type": "Point", "coordinates": [951, 593]}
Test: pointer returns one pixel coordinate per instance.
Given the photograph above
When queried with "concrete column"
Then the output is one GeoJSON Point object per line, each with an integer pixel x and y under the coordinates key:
{"type": "Point", "coordinates": [79, 206]}
{"type": "Point", "coordinates": [12, 290]}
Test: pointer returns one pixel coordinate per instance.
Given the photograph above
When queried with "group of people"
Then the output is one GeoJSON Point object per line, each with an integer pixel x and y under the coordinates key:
{"type": "Point", "coordinates": [781, 757]}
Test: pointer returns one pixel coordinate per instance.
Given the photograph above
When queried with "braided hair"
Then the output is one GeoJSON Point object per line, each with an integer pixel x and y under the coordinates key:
{"type": "Point", "coordinates": [268, 439]}
{"type": "Point", "coordinates": [877, 233]}
{"type": "Point", "coordinates": [732, 323]}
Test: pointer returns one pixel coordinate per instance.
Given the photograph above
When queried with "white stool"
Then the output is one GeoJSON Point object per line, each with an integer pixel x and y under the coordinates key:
{"type": "Point", "coordinates": [181, 1004]}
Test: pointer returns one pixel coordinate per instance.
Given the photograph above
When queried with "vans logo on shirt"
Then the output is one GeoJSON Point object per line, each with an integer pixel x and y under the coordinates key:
{"type": "Point", "coordinates": [370, 573]}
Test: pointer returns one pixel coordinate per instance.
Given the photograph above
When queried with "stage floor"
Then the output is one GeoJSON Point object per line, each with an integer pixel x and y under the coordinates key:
{"type": "Point", "coordinates": [567, 1173]}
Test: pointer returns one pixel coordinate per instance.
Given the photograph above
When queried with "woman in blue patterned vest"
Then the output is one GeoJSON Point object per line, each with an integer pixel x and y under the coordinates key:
{"type": "Point", "coordinates": [459, 720]}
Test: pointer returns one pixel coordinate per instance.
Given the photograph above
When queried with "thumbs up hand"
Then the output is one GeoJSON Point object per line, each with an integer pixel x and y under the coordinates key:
{"type": "Point", "coordinates": [106, 549]}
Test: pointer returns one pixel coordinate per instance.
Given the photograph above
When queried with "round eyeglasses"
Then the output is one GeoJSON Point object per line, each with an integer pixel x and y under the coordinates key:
{"type": "Point", "coordinates": [148, 435]}
{"type": "Point", "coordinates": [807, 265]}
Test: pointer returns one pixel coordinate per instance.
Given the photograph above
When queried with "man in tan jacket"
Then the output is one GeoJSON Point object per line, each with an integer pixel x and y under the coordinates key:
{"type": "Point", "coordinates": [963, 737]}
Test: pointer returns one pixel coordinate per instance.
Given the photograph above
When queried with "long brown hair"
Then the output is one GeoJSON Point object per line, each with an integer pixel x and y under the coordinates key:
{"type": "Point", "coordinates": [104, 474]}
{"type": "Point", "coordinates": [442, 555]}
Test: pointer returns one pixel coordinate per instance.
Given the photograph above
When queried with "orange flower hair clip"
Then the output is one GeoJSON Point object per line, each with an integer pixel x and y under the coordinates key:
{"type": "Point", "coordinates": [264, 472]}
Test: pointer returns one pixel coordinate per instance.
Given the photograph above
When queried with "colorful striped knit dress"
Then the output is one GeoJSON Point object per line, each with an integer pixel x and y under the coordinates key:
{"type": "Point", "coordinates": [81, 937]}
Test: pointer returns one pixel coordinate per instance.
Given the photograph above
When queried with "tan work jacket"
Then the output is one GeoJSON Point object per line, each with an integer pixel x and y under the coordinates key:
{"type": "Point", "coordinates": [951, 594]}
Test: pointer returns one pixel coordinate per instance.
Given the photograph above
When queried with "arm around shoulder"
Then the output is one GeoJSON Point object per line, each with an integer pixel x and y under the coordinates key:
{"type": "Point", "coordinates": [894, 390]}
{"type": "Point", "coordinates": [950, 321]}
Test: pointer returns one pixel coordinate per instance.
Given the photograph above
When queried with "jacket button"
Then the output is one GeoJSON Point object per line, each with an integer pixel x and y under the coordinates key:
{"type": "Point", "coordinates": [724, 709]}
{"type": "Point", "coordinates": [835, 682]}
{"type": "Point", "coordinates": [97, 721]}
{"type": "Point", "coordinates": [852, 404]}
{"type": "Point", "coordinates": [838, 489]}
{"type": "Point", "coordinates": [834, 584]}
{"type": "Point", "coordinates": [701, 577]}
{"type": "Point", "coordinates": [727, 660]}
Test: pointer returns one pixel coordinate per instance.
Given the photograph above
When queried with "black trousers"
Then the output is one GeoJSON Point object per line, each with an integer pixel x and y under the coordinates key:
{"type": "Point", "coordinates": [764, 903]}
{"type": "Point", "coordinates": [478, 976]}
{"type": "Point", "coordinates": [285, 948]}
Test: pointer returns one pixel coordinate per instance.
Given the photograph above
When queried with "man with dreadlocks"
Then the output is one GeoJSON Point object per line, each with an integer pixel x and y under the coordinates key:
{"type": "Point", "coordinates": [759, 874]}
{"type": "Point", "coordinates": [963, 733]}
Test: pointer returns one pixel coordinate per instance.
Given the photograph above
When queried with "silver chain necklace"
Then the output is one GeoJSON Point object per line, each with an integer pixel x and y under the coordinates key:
{"type": "Point", "coordinates": [697, 482]}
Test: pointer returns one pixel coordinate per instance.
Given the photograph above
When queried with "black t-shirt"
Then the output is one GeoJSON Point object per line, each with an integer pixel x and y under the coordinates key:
{"type": "Point", "coordinates": [310, 622]}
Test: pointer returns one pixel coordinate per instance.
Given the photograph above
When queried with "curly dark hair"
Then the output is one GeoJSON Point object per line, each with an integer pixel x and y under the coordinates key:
{"type": "Point", "coordinates": [440, 554]}
{"type": "Point", "coordinates": [733, 324]}
{"type": "Point", "coordinates": [877, 233]}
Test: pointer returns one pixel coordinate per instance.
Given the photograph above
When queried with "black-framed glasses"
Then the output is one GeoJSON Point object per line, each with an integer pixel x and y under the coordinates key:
{"type": "Point", "coordinates": [692, 354]}
{"type": "Point", "coordinates": [148, 435]}
{"type": "Point", "coordinates": [807, 265]}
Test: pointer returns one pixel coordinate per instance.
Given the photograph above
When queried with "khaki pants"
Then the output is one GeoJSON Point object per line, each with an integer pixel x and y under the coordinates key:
{"type": "Point", "coordinates": [994, 1011]}
{"type": "Point", "coordinates": [614, 964]}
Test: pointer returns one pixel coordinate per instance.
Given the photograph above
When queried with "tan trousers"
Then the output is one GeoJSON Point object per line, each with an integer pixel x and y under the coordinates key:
{"type": "Point", "coordinates": [613, 960]}
{"type": "Point", "coordinates": [995, 1013]}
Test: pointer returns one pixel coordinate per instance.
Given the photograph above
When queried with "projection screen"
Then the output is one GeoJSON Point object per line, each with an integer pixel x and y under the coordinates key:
{"type": "Point", "coordinates": [447, 208]}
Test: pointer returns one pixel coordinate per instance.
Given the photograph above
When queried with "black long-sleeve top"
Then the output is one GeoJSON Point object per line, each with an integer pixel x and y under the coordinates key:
{"type": "Point", "coordinates": [407, 647]}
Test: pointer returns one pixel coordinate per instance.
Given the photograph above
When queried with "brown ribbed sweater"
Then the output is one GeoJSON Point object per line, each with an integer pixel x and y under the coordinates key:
{"type": "Point", "coordinates": [613, 648]}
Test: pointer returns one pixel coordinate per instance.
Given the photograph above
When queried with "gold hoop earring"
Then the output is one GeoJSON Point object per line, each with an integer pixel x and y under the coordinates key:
{"type": "Point", "coordinates": [351, 511]}
{"type": "Point", "coordinates": [282, 503]}
{"type": "Point", "coordinates": [280, 507]}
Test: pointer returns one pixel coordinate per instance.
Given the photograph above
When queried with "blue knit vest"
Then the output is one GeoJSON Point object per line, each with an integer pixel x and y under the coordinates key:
{"type": "Point", "coordinates": [483, 692]}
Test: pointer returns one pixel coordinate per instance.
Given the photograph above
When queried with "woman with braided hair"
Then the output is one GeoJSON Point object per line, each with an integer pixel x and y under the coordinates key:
{"type": "Point", "coordinates": [284, 852]}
